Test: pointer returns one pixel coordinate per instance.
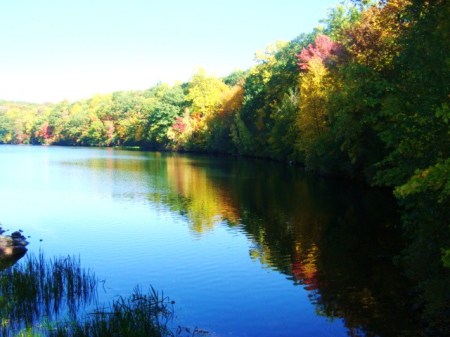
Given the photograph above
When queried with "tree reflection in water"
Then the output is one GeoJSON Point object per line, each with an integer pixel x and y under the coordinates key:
{"type": "Point", "coordinates": [336, 239]}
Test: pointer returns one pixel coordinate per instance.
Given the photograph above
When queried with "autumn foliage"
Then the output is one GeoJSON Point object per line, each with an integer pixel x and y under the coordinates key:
{"type": "Point", "coordinates": [323, 49]}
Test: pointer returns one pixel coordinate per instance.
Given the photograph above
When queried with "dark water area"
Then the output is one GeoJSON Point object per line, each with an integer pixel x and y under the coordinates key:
{"type": "Point", "coordinates": [243, 247]}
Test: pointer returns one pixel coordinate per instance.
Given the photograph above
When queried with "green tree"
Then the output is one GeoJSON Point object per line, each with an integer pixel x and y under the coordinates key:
{"type": "Point", "coordinates": [95, 134]}
{"type": "Point", "coordinates": [164, 105]}
{"type": "Point", "coordinates": [284, 133]}
{"type": "Point", "coordinates": [5, 127]}
{"type": "Point", "coordinates": [265, 88]}
{"type": "Point", "coordinates": [416, 111]}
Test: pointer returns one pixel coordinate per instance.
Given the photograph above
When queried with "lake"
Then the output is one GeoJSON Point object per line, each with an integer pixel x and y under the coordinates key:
{"type": "Point", "coordinates": [244, 247]}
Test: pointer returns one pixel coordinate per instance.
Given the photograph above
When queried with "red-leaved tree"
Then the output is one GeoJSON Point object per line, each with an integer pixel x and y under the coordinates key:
{"type": "Point", "coordinates": [324, 48]}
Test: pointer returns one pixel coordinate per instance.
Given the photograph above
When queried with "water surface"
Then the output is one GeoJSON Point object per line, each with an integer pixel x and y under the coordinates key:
{"type": "Point", "coordinates": [244, 247]}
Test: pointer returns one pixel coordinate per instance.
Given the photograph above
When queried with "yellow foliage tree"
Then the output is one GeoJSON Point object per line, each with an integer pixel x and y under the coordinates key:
{"type": "Point", "coordinates": [232, 100]}
{"type": "Point", "coordinates": [312, 117]}
{"type": "Point", "coordinates": [207, 94]}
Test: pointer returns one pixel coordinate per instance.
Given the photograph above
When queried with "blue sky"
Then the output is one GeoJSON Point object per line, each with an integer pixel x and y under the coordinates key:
{"type": "Point", "coordinates": [56, 49]}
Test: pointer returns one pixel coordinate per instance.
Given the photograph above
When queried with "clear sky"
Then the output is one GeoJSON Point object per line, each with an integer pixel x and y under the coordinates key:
{"type": "Point", "coordinates": [70, 49]}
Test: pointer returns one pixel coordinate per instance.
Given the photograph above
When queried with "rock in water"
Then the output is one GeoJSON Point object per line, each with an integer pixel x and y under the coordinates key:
{"type": "Point", "coordinates": [12, 248]}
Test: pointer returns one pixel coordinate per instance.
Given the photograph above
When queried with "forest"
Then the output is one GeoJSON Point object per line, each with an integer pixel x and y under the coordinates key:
{"type": "Point", "coordinates": [365, 96]}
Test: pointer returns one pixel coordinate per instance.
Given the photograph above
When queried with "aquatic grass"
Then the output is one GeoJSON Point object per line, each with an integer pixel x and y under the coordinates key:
{"type": "Point", "coordinates": [138, 315]}
{"type": "Point", "coordinates": [44, 298]}
{"type": "Point", "coordinates": [36, 288]}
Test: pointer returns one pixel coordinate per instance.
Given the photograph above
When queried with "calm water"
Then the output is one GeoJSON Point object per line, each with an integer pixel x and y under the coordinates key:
{"type": "Point", "coordinates": [244, 248]}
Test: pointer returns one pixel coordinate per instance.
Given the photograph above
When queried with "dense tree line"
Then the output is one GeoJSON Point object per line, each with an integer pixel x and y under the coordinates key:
{"type": "Point", "coordinates": [366, 96]}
